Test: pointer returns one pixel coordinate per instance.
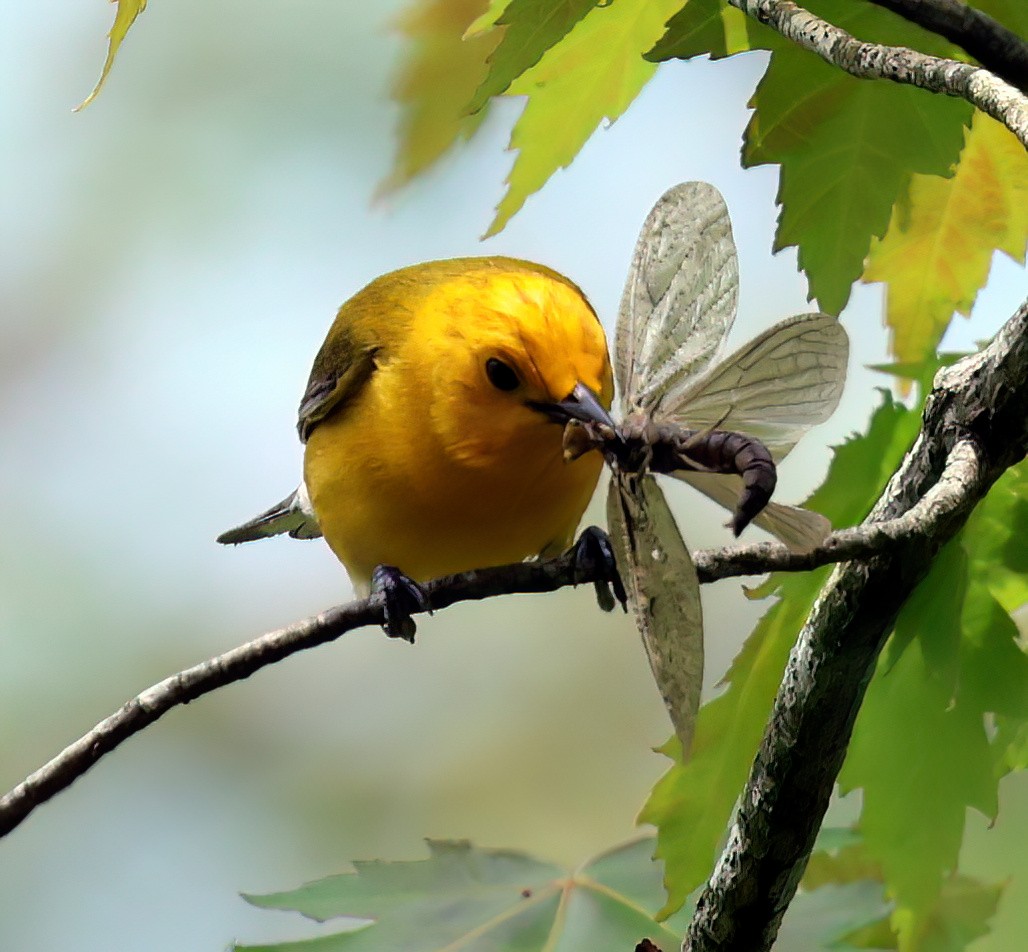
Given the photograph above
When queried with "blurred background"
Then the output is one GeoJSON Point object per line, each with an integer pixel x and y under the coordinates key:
{"type": "Point", "coordinates": [171, 259]}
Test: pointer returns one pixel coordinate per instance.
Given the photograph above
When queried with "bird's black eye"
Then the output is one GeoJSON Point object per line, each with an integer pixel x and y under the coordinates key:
{"type": "Point", "coordinates": [502, 376]}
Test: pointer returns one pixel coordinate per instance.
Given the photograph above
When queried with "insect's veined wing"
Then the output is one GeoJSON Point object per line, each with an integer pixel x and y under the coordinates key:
{"type": "Point", "coordinates": [662, 586]}
{"type": "Point", "coordinates": [775, 388]}
{"type": "Point", "coordinates": [800, 529]}
{"type": "Point", "coordinates": [680, 297]}
{"type": "Point", "coordinates": [781, 383]}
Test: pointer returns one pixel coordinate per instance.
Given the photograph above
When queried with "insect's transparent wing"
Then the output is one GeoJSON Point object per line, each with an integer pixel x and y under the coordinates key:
{"type": "Point", "coordinates": [800, 529]}
{"type": "Point", "coordinates": [781, 383]}
{"type": "Point", "coordinates": [665, 594]}
{"type": "Point", "coordinates": [680, 298]}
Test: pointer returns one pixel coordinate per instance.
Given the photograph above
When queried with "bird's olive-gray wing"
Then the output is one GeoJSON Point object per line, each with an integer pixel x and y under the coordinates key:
{"type": "Point", "coordinates": [680, 297]}
{"type": "Point", "coordinates": [661, 582]}
{"type": "Point", "coordinates": [775, 388]}
{"type": "Point", "coordinates": [342, 368]}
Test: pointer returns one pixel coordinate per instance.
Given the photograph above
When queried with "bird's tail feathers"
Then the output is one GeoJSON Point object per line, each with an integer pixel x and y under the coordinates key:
{"type": "Point", "coordinates": [293, 515]}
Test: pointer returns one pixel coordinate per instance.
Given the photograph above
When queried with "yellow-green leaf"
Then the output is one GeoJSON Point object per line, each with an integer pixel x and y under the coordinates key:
{"type": "Point", "coordinates": [936, 254]}
{"type": "Point", "coordinates": [487, 20]}
{"type": "Point", "coordinates": [533, 27]}
{"type": "Point", "coordinates": [705, 28]}
{"type": "Point", "coordinates": [593, 74]}
{"type": "Point", "coordinates": [440, 72]}
{"type": "Point", "coordinates": [128, 10]}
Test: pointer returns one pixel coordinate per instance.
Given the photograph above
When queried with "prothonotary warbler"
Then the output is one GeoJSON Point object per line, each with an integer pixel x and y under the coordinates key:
{"type": "Point", "coordinates": [433, 422]}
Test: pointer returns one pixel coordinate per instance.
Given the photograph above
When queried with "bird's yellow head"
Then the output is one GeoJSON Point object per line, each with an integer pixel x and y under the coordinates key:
{"type": "Point", "coordinates": [516, 348]}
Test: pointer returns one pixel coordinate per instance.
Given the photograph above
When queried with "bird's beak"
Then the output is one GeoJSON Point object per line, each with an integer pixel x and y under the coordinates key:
{"type": "Point", "coordinates": [581, 404]}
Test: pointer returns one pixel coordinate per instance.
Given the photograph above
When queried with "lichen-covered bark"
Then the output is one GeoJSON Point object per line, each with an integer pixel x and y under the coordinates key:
{"type": "Point", "coordinates": [975, 427]}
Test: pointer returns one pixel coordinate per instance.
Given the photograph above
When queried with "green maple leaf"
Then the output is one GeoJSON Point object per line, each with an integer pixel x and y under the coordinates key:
{"type": "Point", "coordinates": [939, 246]}
{"type": "Point", "coordinates": [483, 900]}
{"type": "Point", "coordinates": [478, 900]}
{"type": "Point", "coordinates": [707, 27]}
{"type": "Point", "coordinates": [591, 75]}
{"type": "Point", "coordinates": [533, 26]}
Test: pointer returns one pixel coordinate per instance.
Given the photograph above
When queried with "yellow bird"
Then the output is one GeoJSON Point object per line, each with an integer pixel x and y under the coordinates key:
{"type": "Point", "coordinates": [433, 422]}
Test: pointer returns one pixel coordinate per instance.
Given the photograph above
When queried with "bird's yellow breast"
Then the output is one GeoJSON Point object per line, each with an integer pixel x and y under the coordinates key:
{"type": "Point", "coordinates": [432, 468]}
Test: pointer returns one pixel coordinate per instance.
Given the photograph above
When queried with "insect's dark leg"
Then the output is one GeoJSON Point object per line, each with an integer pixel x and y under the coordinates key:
{"type": "Point", "coordinates": [402, 597]}
{"type": "Point", "coordinates": [594, 553]}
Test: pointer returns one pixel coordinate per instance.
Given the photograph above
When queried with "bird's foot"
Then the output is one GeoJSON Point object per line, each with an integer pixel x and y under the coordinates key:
{"type": "Point", "coordinates": [402, 597]}
{"type": "Point", "coordinates": [594, 560]}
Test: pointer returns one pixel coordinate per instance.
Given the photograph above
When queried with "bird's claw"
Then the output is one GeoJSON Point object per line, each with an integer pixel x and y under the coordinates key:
{"type": "Point", "coordinates": [402, 597]}
{"type": "Point", "coordinates": [594, 560]}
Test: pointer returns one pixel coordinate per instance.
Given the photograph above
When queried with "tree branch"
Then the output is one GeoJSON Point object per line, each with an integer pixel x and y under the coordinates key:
{"type": "Point", "coordinates": [978, 86]}
{"type": "Point", "coordinates": [241, 662]}
{"type": "Point", "coordinates": [526, 577]}
{"type": "Point", "coordinates": [998, 49]}
{"type": "Point", "coordinates": [975, 427]}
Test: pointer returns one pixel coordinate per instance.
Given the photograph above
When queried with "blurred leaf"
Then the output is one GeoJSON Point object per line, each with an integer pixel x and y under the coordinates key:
{"type": "Point", "coordinates": [705, 27]}
{"type": "Point", "coordinates": [864, 464]}
{"type": "Point", "coordinates": [439, 73]}
{"type": "Point", "coordinates": [533, 26]}
{"type": "Point", "coordinates": [487, 20]}
{"type": "Point", "coordinates": [847, 864]}
{"type": "Point", "coordinates": [692, 803]}
{"type": "Point", "coordinates": [995, 539]}
{"type": "Point", "coordinates": [953, 658]}
{"type": "Point", "coordinates": [825, 918]}
{"type": "Point", "coordinates": [847, 146]}
{"type": "Point", "coordinates": [1010, 746]}
{"type": "Point", "coordinates": [834, 839]}
{"type": "Point", "coordinates": [936, 255]}
{"type": "Point", "coordinates": [833, 868]}
{"type": "Point", "coordinates": [917, 783]}
{"type": "Point", "coordinates": [932, 614]}
{"type": "Point", "coordinates": [125, 16]}
{"type": "Point", "coordinates": [960, 916]}
{"type": "Point", "coordinates": [483, 900]}
{"type": "Point", "coordinates": [993, 665]}
{"type": "Point", "coordinates": [1013, 14]}
{"type": "Point", "coordinates": [593, 74]}
{"type": "Point", "coordinates": [922, 373]}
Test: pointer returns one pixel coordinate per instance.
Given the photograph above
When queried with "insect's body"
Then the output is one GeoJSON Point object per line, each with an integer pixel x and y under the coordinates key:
{"type": "Point", "coordinates": [668, 448]}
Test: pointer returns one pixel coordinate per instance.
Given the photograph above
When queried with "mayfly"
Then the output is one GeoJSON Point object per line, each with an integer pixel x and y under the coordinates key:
{"type": "Point", "coordinates": [720, 426]}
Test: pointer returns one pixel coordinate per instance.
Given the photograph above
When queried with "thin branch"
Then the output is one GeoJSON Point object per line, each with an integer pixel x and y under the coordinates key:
{"type": "Point", "coordinates": [525, 577]}
{"type": "Point", "coordinates": [978, 86]}
{"type": "Point", "coordinates": [845, 545]}
{"type": "Point", "coordinates": [239, 663]}
{"type": "Point", "coordinates": [975, 427]}
{"type": "Point", "coordinates": [998, 49]}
